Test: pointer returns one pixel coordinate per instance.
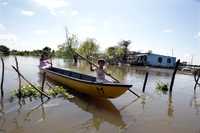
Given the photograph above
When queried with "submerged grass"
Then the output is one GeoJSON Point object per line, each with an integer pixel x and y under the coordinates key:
{"type": "Point", "coordinates": [27, 91]}
{"type": "Point", "coordinates": [162, 87]}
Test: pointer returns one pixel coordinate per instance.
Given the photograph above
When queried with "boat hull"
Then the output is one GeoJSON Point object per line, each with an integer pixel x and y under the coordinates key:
{"type": "Point", "coordinates": [105, 90]}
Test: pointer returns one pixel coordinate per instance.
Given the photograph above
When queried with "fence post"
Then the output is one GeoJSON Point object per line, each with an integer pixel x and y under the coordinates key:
{"type": "Point", "coordinates": [173, 76]}
{"type": "Point", "coordinates": [2, 77]}
{"type": "Point", "coordinates": [196, 78]}
{"type": "Point", "coordinates": [145, 81]}
{"type": "Point", "coordinates": [43, 81]}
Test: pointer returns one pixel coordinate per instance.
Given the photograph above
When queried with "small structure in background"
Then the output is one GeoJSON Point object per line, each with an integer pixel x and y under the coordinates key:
{"type": "Point", "coordinates": [151, 59]}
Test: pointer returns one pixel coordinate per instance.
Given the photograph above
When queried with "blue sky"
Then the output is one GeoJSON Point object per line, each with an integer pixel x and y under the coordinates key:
{"type": "Point", "coordinates": [158, 25]}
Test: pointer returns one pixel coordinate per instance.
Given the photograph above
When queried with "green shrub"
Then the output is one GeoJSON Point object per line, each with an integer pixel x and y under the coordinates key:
{"type": "Point", "coordinates": [162, 87]}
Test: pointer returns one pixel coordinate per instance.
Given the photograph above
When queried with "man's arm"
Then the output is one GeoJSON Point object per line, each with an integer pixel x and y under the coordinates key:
{"type": "Point", "coordinates": [92, 68]}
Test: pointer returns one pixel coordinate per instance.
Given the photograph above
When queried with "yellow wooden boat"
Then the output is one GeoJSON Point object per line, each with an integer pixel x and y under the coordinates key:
{"type": "Point", "coordinates": [85, 83]}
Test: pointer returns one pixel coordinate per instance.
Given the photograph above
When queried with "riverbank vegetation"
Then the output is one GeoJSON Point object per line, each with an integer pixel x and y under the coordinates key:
{"type": "Point", "coordinates": [88, 48]}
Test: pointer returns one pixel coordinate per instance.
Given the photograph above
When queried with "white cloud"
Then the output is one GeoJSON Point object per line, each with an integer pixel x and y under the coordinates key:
{"type": "Point", "coordinates": [168, 30]}
{"type": "Point", "coordinates": [74, 13]}
{"type": "Point", "coordinates": [27, 12]}
{"type": "Point", "coordinates": [88, 30]}
{"type": "Point", "coordinates": [8, 36]}
{"type": "Point", "coordinates": [52, 5]}
{"type": "Point", "coordinates": [2, 27]}
{"type": "Point", "coordinates": [197, 35]}
{"type": "Point", "coordinates": [4, 3]}
{"type": "Point", "coordinates": [8, 39]}
{"type": "Point", "coordinates": [40, 32]}
{"type": "Point", "coordinates": [89, 20]}
{"type": "Point", "coordinates": [66, 12]}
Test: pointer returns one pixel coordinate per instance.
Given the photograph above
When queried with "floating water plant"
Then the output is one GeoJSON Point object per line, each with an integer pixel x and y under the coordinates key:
{"type": "Point", "coordinates": [162, 87]}
{"type": "Point", "coordinates": [58, 91]}
{"type": "Point", "coordinates": [27, 91]}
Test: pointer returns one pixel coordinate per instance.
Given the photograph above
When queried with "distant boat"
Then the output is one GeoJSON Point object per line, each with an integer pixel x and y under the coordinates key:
{"type": "Point", "coordinates": [86, 84]}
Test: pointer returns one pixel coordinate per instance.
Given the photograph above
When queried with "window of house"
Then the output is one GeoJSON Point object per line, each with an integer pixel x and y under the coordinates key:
{"type": "Point", "coordinates": [169, 60]}
{"type": "Point", "coordinates": [160, 59]}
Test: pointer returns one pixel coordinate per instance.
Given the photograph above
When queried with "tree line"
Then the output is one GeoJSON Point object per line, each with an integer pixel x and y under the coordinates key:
{"type": "Point", "coordinates": [5, 51]}
{"type": "Point", "coordinates": [88, 48]}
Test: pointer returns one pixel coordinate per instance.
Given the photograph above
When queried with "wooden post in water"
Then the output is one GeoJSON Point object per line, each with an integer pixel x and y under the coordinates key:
{"type": "Point", "coordinates": [19, 78]}
{"type": "Point", "coordinates": [173, 76]}
{"type": "Point", "coordinates": [2, 77]}
{"type": "Point", "coordinates": [145, 81]}
{"type": "Point", "coordinates": [196, 78]}
{"type": "Point", "coordinates": [43, 81]}
{"type": "Point", "coordinates": [41, 92]}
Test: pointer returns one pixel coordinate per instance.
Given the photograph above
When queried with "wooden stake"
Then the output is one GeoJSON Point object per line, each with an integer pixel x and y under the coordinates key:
{"type": "Point", "coordinates": [43, 81]}
{"type": "Point", "coordinates": [133, 92]}
{"type": "Point", "coordinates": [173, 76]}
{"type": "Point", "coordinates": [196, 78]}
{"type": "Point", "coordinates": [145, 81]}
{"type": "Point", "coordinates": [41, 92]}
{"type": "Point", "coordinates": [2, 77]}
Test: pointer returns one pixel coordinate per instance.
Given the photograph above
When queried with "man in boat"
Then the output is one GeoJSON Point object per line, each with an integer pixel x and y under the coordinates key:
{"type": "Point", "coordinates": [45, 61]}
{"type": "Point", "coordinates": [100, 75]}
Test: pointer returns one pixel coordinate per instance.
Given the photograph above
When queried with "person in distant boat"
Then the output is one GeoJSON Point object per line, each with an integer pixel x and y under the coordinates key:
{"type": "Point", "coordinates": [100, 75]}
{"type": "Point", "coordinates": [45, 62]}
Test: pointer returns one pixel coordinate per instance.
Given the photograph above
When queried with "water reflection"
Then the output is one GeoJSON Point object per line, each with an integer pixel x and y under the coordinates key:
{"type": "Point", "coordinates": [21, 118]}
{"type": "Point", "coordinates": [143, 101]}
{"type": "Point", "coordinates": [119, 71]}
{"type": "Point", "coordinates": [102, 110]}
{"type": "Point", "coordinates": [170, 111]}
{"type": "Point", "coordinates": [195, 103]}
{"type": "Point", "coordinates": [102, 113]}
{"type": "Point", "coordinates": [28, 115]}
{"type": "Point", "coordinates": [127, 105]}
{"type": "Point", "coordinates": [2, 116]}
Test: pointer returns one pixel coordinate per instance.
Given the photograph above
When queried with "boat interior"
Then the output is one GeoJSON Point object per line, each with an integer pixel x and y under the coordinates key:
{"type": "Point", "coordinates": [73, 74]}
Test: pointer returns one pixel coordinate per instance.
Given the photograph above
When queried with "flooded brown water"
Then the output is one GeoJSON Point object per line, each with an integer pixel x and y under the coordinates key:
{"type": "Point", "coordinates": [154, 112]}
